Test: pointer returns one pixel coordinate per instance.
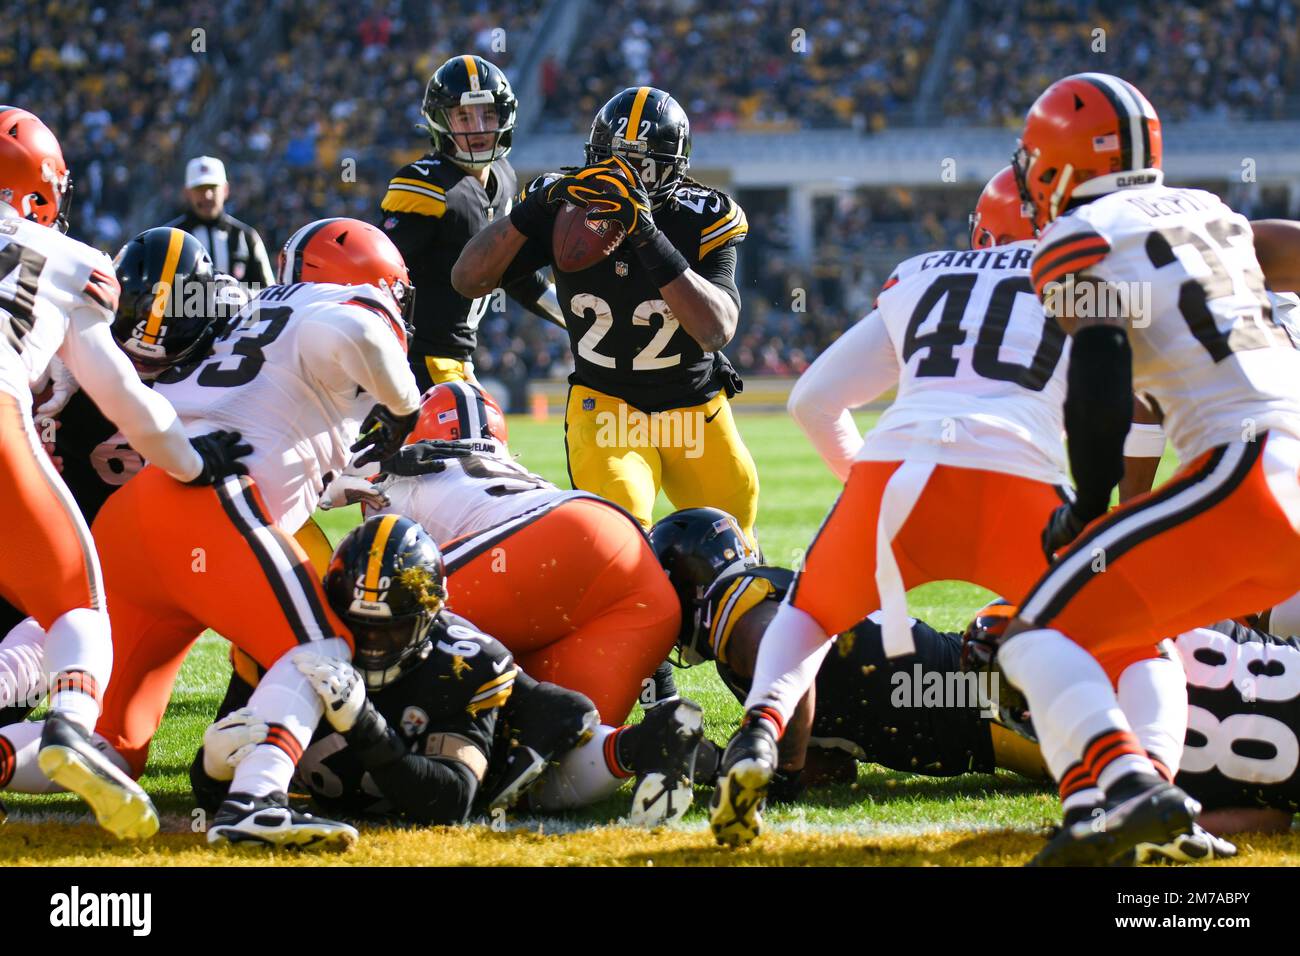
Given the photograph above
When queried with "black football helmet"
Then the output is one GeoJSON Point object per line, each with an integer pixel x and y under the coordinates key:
{"type": "Point", "coordinates": [388, 583]}
{"type": "Point", "coordinates": [172, 305]}
{"type": "Point", "coordinates": [697, 546]}
{"type": "Point", "coordinates": [979, 652]}
{"type": "Point", "coordinates": [469, 81]}
{"type": "Point", "coordinates": [648, 128]}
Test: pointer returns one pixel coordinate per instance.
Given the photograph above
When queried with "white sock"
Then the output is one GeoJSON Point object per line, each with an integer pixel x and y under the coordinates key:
{"type": "Point", "coordinates": [23, 740]}
{"type": "Point", "coordinates": [1153, 695]}
{"type": "Point", "coordinates": [788, 660]}
{"type": "Point", "coordinates": [1069, 696]}
{"type": "Point", "coordinates": [582, 777]}
{"type": "Point", "coordinates": [285, 699]}
{"type": "Point", "coordinates": [22, 670]}
{"type": "Point", "coordinates": [79, 644]}
{"type": "Point", "coordinates": [1284, 619]}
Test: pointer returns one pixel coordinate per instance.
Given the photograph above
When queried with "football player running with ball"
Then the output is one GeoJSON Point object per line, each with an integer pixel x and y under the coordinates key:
{"type": "Point", "coordinates": [648, 402]}
{"type": "Point", "coordinates": [955, 482]}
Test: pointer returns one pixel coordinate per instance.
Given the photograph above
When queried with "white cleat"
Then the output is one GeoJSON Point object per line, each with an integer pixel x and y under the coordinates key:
{"type": "Point", "coordinates": [270, 821]}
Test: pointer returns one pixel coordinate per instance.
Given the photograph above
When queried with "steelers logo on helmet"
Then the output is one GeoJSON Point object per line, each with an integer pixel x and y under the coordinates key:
{"type": "Point", "coordinates": [388, 583]}
{"type": "Point", "coordinates": [649, 130]}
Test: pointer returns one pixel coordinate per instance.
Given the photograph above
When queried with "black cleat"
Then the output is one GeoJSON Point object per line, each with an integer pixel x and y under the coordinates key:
{"type": "Point", "coordinates": [270, 821]}
{"type": "Point", "coordinates": [664, 759]}
{"type": "Point", "coordinates": [735, 813]}
{"type": "Point", "coordinates": [69, 758]}
{"type": "Point", "coordinates": [1143, 810]}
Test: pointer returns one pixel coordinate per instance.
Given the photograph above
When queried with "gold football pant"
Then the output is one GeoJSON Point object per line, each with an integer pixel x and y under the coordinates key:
{"type": "Point", "coordinates": [431, 370]}
{"type": "Point", "coordinates": [695, 454]}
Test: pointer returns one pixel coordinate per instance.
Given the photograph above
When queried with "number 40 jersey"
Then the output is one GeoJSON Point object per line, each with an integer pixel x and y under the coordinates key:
{"type": "Point", "coordinates": [981, 369]}
{"type": "Point", "coordinates": [295, 372]}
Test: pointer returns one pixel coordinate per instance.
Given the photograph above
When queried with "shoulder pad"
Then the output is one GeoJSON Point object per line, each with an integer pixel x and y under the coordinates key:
{"type": "Point", "coordinates": [482, 667]}
{"type": "Point", "coordinates": [733, 595]}
{"type": "Point", "coordinates": [417, 188]}
{"type": "Point", "coordinates": [1066, 247]}
{"type": "Point", "coordinates": [722, 222]}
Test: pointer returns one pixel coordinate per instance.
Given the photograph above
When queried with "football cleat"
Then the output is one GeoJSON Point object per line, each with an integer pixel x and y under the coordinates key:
{"type": "Point", "coordinates": [665, 760]}
{"type": "Point", "coordinates": [1147, 811]}
{"type": "Point", "coordinates": [270, 821]}
{"type": "Point", "coordinates": [735, 812]}
{"type": "Point", "coordinates": [1192, 847]}
{"type": "Point", "coordinates": [69, 759]}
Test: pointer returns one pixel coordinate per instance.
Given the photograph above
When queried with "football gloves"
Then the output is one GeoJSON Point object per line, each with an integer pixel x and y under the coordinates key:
{"type": "Point", "coordinates": [339, 686]}
{"type": "Point", "coordinates": [230, 740]}
{"type": "Point", "coordinates": [1062, 527]}
{"type": "Point", "coordinates": [220, 452]}
{"type": "Point", "coordinates": [427, 457]}
{"type": "Point", "coordinates": [630, 207]}
{"type": "Point", "coordinates": [62, 387]}
{"type": "Point", "coordinates": [352, 490]}
{"type": "Point", "coordinates": [382, 434]}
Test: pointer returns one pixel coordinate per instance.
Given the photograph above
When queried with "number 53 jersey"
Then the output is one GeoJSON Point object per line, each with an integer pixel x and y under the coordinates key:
{"type": "Point", "coordinates": [1205, 343]}
{"type": "Point", "coordinates": [981, 369]}
{"type": "Point", "coordinates": [296, 372]}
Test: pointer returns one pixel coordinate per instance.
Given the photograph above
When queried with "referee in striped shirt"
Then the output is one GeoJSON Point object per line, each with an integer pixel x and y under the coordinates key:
{"type": "Point", "coordinates": [235, 247]}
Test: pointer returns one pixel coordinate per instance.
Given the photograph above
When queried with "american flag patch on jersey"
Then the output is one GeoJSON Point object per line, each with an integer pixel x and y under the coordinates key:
{"type": "Point", "coordinates": [103, 288]}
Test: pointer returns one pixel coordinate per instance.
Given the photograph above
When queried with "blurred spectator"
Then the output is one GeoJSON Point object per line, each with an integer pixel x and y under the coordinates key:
{"type": "Point", "coordinates": [235, 247]}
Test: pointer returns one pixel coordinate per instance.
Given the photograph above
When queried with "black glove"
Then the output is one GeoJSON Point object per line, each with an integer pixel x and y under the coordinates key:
{"type": "Point", "coordinates": [786, 786]}
{"type": "Point", "coordinates": [382, 434]}
{"type": "Point", "coordinates": [220, 451]}
{"type": "Point", "coordinates": [1062, 527]}
{"type": "Point", "coordinates": [725, 374]}
{"type": "Point", "coordinates": [426, 457]}
{"type": "Point", "coordinates": [630, 207]}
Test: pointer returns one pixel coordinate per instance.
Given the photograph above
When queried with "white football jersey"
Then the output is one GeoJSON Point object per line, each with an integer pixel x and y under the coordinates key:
{"type": "Point", "coordinates": [981, 370]}
{"type": "Point", "coordinates": [295, 373]}
{"type": "Point", "coordinates": [44, 278]}
{"type": "Point", "coordinates": [471, 494]}
{"type": "Point", "coordinates": [1205, 344]}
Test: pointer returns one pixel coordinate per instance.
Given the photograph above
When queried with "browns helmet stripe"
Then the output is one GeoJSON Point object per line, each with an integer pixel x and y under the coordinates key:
{"type": "Point", "coordinates": [471, 412]}
{"type": "Point", "coordinates": [1133, 112]}
{"type": "Point", "coordinates": [297, 242]}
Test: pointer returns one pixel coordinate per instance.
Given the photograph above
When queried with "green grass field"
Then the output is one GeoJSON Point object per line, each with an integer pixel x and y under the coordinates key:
{"type": "Point", "coordinates": [884, 817]}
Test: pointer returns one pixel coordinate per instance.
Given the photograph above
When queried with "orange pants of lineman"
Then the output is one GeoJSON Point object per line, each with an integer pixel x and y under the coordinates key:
{"type": "Point", "coordinates": [576, 594]}
{"type": "Point", "coordinates": [48, 564]}
{"type": "Point", "coordinates": [966, 525]}
{"type": "Point", "coordinates": [1217, 540]}
{"type": "Point", "coordinates": [178, 559]}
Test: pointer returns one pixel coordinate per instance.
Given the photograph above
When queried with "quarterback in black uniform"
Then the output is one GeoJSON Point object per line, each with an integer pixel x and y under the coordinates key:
{"type": "Point", "coordinates": [172, 306]}
{"type": "Point", "coordinates": [431, 720]}
{"type": "Point", "coordinates": [434, 205]}
{"type": "Point", "coordinates": [648, 402]}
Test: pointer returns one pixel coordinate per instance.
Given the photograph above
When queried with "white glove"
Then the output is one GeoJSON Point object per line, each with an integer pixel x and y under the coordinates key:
{"type": "Point", "coordinates": [230, 740]}
{"type": "Point", "coordinates": [1192, 847]}
{"type": "Point", "coordinates": [350, 490]}
{"type": "Point", "coordinates": [63, 387]}
{"type": "Point", "coordinates": [339, 685]}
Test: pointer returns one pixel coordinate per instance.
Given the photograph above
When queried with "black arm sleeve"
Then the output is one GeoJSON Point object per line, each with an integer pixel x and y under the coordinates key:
{"type": "Point", "coordinates": [1098, 410]}
{"type": "Point", "coordinates": [719, 267]}
{"type": "Point", "coordinates": [428, 790]}
{"type": "Point", "coordinates": [527, 289]}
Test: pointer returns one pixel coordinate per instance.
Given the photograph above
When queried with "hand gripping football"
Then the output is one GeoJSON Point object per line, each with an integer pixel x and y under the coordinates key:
{"type": "Point", "coordinates": [579, 244]}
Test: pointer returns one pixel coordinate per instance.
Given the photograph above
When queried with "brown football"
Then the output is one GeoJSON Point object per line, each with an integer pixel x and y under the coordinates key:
{"type": "Point", "coordinates": [579, 244]}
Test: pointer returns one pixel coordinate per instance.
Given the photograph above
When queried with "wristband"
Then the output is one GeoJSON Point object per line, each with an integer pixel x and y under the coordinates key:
{"type": "Point", "coordinates": [1144, 441]}
{"type": "Point", "coordinates": [661, 259]}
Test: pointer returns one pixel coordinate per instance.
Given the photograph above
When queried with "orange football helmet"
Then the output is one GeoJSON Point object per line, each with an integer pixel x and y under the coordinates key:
{"type": "Point", "coordinates": [999, 215]}
{"type": "Point", "coordinates": [348, 252]}
{"type": "Point", "coordinates": [455, 411]}
{"type": "Point", "coordinates": [33, 176]}
{"type": "Point", "coordinates": [1087, 135]}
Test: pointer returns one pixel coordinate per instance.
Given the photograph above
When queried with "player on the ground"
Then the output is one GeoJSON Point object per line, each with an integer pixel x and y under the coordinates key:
{"type": "Point", "coordinates": [170, 308]}
{"type": "Point", "coordinates": [417, 728]}
{"type": "Point", "coordinates": [1162, 294]}
{"type": "Point", "coordinates": [954, 483]}
{"type": "Point", "coordinates": [297, 369]}
{"type": "Point", "coordinates": [57, 296]}
{"type": "Point", "coordinates": [436, 204]}
{"type": "Point", "coordinates": [648, 402]}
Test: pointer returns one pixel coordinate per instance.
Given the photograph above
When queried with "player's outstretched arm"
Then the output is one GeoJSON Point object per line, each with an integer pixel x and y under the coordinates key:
{"type": "Point", "coordinates": [147, 420]}
{"type": "Point", "coordinates": [1277, 246]}
{"type": "Point", "coordinates": [853, 371]}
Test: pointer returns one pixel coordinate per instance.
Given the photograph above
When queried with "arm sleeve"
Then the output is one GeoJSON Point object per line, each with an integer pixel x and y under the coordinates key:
{"type": "Point", "coordinates": [719, 267]}
{"type": "Point", "coordinates": [365, 351]}
{"type": "Point", "coordinates": [527, 289]}
{"type": "Point", "coordinates": [854, 370]}
{"type": "Point", "coordinates": [1098, 410]}
{"type": "Point", "coordinates": [148, 421]}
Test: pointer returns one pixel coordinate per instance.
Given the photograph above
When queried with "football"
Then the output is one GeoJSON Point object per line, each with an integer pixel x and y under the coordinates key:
{"type": "Point", "coordinates": [578, 243]}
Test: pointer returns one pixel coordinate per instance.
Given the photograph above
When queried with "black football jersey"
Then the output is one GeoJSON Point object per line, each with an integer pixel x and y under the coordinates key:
{"type": "Point", "coordinates": [96, 457]}
{"type": "Point", "coordinates": [431, 210]}
{"type": "Point", "coordinates": [1243, 718]}
{"type": "Point", "coordinates": [457, 689]}
{"type": "Point", "coordinates": [625, 341]}
{"type": "Point", "coordinates": [905, 713]}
